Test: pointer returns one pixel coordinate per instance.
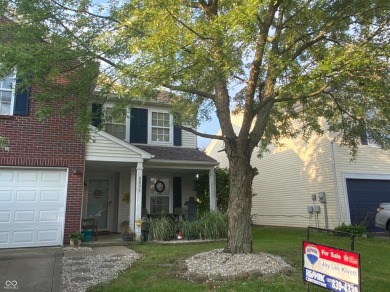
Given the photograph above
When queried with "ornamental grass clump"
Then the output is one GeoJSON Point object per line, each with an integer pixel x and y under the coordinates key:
{"type": "Point", "coordinates": [213, 224]}
{"type": "Point", "coordinates": [161, 228]}
{"type": "Point", "coordinates": [190, 229]}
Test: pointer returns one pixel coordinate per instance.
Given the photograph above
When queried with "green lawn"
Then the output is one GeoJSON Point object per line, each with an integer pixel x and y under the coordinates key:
{"type": "Point", "coordinates": [158, 269]}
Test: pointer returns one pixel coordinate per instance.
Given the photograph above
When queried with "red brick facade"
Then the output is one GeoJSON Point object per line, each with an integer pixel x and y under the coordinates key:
{"type": "Point", "coordinates": [49, 143]}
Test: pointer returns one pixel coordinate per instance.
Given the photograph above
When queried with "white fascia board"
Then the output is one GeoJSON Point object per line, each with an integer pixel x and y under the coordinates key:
{"type": "Point", "coordinates": [112, 159]}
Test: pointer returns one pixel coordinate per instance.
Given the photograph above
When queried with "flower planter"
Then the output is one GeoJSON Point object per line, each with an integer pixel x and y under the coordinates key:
{"type": "Point", "coordinates": [75, 242]}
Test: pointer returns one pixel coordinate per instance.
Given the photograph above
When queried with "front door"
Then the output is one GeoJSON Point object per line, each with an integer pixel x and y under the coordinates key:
{"type": "Point", "coordinates": [99, 200]}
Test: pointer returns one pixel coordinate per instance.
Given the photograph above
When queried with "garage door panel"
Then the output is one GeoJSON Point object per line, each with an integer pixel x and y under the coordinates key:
{"type": "Point", "coordinates": [5, 217]}
{"type": "Point", "coordinates": [53, 177]}
{"type": "Point", "coordinates": [32, 207]}
{"type": "Point", "coordinates": [4, 237]}
{"type": "Point", "coordinates": [25, 216]}
{"type": "Point", "coordinates": [24, 196]}
{"type": "Point", "coordinates": [28, 176]}
{"type": "Point", "coordinates": [5, 197]}
{"type": "Point", "coordinates": [23, 236]}
{"type": "Point", "coordinates": [49, 216]}
{"type": "Point", "coordinates": [51, 196]}
{"type": "Point", "coordinates": [6, 176]}
{"type": "Point", "coordinates": [48, 235]}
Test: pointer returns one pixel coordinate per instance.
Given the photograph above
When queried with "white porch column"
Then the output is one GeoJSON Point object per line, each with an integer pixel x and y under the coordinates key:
{"type": "Point", "coordinates": [212, 190]}
{"type": "Point", "coordinates": [138, 197]}
{"type": "Point", "coordinates": [132, 200]}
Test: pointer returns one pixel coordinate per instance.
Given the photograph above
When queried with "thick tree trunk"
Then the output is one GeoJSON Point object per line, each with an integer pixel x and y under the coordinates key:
{"type": "Point", "coordinates": [240, 202]}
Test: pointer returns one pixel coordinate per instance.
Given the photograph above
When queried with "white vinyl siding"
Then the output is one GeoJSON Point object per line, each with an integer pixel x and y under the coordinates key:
{"type": "Point", "coordinates": [188, 140]}
{"type": "Point", "coordinates": [289, 175]}
{"type": "Point", "coordinates": [371, 162]}
{"type": "Point", "coordinates": [287, 179]}
{"type": "Point", "coordinates": [102, 149]}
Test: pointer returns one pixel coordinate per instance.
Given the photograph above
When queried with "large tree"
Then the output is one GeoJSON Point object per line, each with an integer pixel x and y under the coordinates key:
{"type": "Point", "coordinates": [273, 61]}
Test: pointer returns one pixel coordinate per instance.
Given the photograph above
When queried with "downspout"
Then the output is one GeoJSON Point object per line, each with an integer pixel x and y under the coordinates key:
{"type": "Point", "coordinates": [335, 185]}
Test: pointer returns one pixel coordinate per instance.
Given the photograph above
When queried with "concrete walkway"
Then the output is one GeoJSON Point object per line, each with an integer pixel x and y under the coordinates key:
{"type": "Point", "coordinates": [40, 269]}
{"type": "Point", "coordinates": [31, 269]}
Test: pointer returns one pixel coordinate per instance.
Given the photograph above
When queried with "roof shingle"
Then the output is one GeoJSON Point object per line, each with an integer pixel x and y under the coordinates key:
{"type": "Point", "coordinates": [176, 153]}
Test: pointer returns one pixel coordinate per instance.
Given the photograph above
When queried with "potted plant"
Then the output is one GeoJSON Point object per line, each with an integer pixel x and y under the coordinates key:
{"type": "Point", "coordinates": [75, 239]}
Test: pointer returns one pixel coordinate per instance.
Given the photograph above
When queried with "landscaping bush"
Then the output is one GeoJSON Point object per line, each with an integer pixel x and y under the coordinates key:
{"type": "Point", "coordinates": [161, 228]}
{"type": "Point", "coordinates": [190, 229]}
{"type": "Point", "coordinates": [201, 186]}
{"type": "Point", "coordinates": [356, 229]}
{"type": "Point", "coordinates": [213, 224]}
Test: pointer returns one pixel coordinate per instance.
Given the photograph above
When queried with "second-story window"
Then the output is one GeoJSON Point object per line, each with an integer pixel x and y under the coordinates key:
{"type": "Point", "coordinates": [6, 95]}
{"type": "Point", "coordinates": [115, 123]}
{"type": "Point", "coordinates": [161, 127]}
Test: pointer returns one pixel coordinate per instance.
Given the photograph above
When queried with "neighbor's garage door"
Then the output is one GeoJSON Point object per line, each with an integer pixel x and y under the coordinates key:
{"type": "Point", "coordinates": [364, 196]}
{"type": "Point", "coordinates": [32, 207]}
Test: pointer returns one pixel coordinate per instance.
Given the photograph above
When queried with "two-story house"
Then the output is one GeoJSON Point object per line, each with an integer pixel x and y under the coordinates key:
{"type": "Point", "coordinates": [140, 163]}
{"type": "Point", "coordinates": [50, 178]}
{"type": "Point", "coordinates": [314, 183]}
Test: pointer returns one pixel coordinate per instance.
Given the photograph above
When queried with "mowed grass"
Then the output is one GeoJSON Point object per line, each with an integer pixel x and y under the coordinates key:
{"type": "Point", "coordinates": [159, 268]}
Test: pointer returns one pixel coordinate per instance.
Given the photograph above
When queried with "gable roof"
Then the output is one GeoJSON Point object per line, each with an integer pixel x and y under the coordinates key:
{"type": "Point", "coordinates": [177, 154]}
{"type": "Point", "coordinates": [105, 147]}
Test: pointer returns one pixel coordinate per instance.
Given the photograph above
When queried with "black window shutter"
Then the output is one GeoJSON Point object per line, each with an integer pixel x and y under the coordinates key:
{"type": "Point", "coordinates": [176, 192]}
{"type": "Point", "coordinates": [21, 102]}
{"type": "Point", "coordinates": [176, 136]}
{"type": "Point", "coordinates": [139, 126]}
{"type": "Point", "coordinates": [97, 115]}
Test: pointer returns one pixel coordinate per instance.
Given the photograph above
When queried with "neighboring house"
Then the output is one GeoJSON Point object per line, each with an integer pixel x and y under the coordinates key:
{"type": "Point", "coordinates": [289, 176]}
{"type": "Point", "coordinates": [50, 179]}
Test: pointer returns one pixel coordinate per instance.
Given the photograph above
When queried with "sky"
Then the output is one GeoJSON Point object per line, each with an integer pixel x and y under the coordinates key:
{"type": "Point", "coordinates": [210, 127]}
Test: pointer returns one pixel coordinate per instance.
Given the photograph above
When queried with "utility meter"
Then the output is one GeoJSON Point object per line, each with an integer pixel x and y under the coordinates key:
{"type": "Point", "coordinates": [321, 197]}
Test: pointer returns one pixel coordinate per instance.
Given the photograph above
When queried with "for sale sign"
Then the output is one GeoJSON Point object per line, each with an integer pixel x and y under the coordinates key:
{"type": "Point", "coordinates": [332, 268]}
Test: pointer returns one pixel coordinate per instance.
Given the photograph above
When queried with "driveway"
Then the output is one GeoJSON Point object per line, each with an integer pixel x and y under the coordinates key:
{"type": "Point", "coordinates": [31, 269]}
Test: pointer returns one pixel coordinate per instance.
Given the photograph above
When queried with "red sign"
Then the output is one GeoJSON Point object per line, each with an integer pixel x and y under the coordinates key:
{"type": "Point", "coordinates": [331, 268]}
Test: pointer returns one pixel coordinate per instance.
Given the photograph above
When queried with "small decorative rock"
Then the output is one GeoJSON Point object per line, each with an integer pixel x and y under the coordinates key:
{"type": "Point", "coordinates": [95, 269]}
{"type": "Point", "coordinates": [216, 265]}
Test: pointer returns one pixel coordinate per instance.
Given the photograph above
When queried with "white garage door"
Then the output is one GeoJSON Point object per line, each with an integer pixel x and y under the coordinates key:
{"type": "Point", "coordinates": [32, 207]}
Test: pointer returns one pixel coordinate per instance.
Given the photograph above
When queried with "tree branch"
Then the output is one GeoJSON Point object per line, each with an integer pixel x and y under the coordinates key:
{"type": "Point", "coordinates": [255, 69]}
{"type": "Point", "coordinates": [187, 27]}
{"type": "Point", "coordinates": [204, 135]}
{"type": "Point", "coordinates": [86, 12]}
{"type": "Point", "coordinates": [190, 90]}
{"type": "Point", "coordinates": [308, 44]}
{"type": "Point", "coordinates": [85, 46]}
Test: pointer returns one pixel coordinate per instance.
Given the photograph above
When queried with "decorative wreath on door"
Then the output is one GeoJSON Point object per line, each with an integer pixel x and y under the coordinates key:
{"type": "Point", "coordinates": [159, 186]}
{"type": "Point", "coordinates": [126, 198]}
{"type": "Point", "coordinates": [98, 193]}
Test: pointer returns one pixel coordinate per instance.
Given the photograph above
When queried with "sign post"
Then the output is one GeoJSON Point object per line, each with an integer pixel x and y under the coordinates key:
{"type": "Point", "coordinates": [331, 268]}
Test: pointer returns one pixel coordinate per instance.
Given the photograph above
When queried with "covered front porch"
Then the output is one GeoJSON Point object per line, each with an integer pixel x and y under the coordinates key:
{"type": "Point", "coordinates": [124, 182]}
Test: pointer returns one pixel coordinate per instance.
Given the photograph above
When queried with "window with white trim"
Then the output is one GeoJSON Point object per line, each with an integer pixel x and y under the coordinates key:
{"type": "Point", "coordinates": [7, 94]}
{"type": "Point", "coordinates": [161, 127]}
{"type": "Point", "coordinates": [159, 195]}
